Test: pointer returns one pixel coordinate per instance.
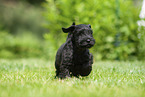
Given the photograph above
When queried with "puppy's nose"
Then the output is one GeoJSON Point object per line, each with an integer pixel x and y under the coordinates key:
{"type": "Point", "coordinates": [88, 40]}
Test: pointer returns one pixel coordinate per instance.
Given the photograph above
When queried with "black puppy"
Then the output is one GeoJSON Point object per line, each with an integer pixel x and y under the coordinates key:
{"type": "Point", "coordinates": [73, 57]}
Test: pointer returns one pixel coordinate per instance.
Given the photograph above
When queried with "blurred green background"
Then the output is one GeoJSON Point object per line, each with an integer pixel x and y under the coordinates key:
{"type": "Point", "coordinates": [32, 28]}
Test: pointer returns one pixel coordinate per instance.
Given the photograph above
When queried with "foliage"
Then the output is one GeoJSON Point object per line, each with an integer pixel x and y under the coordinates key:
{"type": "Point", "coordinates": [20, 18]}
{"type": "Point", "coordinates": [19, 46]}
{"type": "Point", "coordinates": [21, 31]}
{"type": "Point", "coordinates": [115, 30]}
{"type": "Point", "coordinates": [35, 78]}
{"type": "Point", "coordinates": [141, 37]}
{"type": "Point", "coordinates": [33, 2]}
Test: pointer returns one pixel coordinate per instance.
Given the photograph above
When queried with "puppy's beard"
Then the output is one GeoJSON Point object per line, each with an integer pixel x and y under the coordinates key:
{"type": "Point", "coordinates": [86, 45]}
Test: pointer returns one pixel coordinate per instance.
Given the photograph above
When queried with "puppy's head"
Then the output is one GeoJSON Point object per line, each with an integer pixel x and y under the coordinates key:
{"type": "Point", "coordinates": [82, 35]}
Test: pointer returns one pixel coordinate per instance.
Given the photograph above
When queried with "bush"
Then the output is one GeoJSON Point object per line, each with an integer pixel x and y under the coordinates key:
{"type": "Point", "coordinates": [17, 18]}
{"type": "Point", "coordinates": [141, 46]}
{"type": "Point", "coordinates": [115, 30]}
{"type": "Point", "coordinates": [20, 46]}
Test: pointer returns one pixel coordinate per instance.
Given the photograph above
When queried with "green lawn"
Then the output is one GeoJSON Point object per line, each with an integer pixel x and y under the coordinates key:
{"type": "Point", "coordinates": [35, 78]}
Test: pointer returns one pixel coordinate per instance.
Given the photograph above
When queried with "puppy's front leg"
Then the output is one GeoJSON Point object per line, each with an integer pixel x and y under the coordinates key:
{"type": "Point", "coordinates": [91, 59]}
{"type": "Point", "coordinates": [86, 69]}
{"type": "Point", "coordinates": [64, 71]}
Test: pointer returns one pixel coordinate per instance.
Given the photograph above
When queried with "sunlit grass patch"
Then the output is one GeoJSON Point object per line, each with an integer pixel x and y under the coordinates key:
{"type": "Point", "coordinates": [35, 78]}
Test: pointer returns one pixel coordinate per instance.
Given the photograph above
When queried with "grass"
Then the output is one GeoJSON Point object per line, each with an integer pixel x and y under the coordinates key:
{"type": "Point", "coordinates": [35, 78]}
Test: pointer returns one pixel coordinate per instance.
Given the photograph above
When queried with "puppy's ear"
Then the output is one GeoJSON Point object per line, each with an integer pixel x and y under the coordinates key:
{"type": "Point", "coordinates": [69, 29]}
{"type": "Point", "coordinates": [73, 23]}
{"type": "Point", "coordinates": [89, 25]}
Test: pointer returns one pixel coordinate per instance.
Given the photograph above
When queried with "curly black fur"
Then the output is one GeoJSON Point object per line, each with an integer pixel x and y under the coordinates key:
{"type": "Point", "coordinates": [73, 57]}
